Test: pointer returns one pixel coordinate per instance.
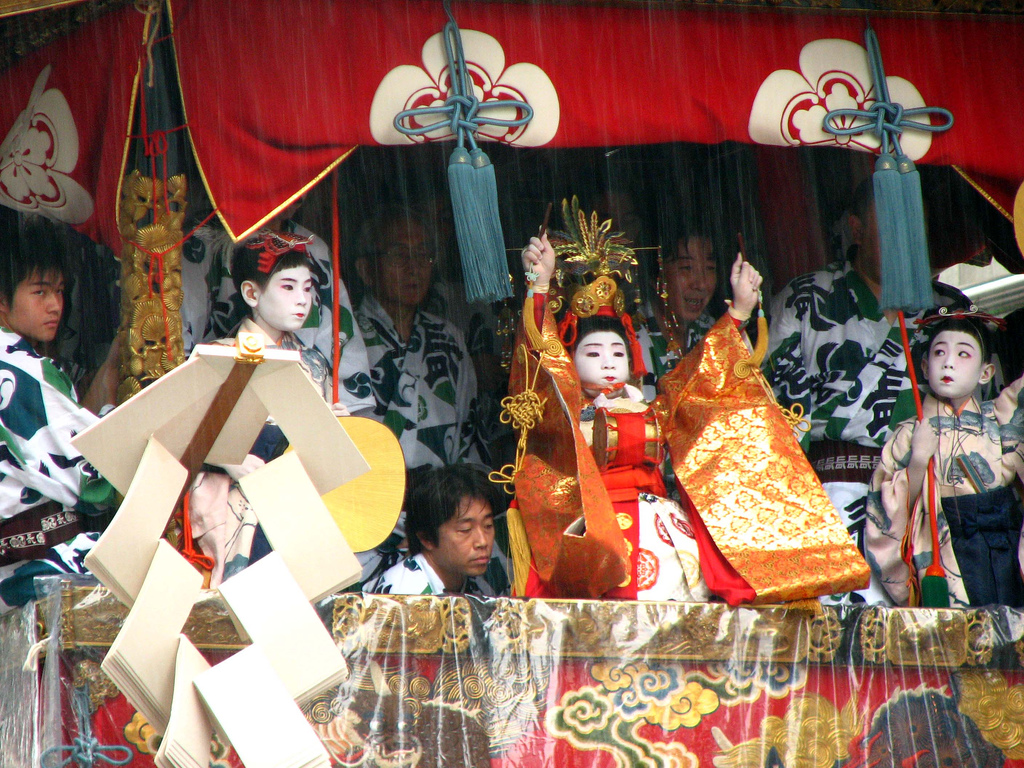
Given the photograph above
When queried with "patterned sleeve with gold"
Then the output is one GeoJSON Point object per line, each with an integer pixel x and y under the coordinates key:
{"type": "Point", "coordinates": [736, 455]}
{"type": "Point", "coordinates": [559, 480]}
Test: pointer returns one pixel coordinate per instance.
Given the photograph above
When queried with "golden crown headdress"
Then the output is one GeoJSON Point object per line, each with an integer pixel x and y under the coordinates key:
{"type": "Point", "coordinates": [590, 256]}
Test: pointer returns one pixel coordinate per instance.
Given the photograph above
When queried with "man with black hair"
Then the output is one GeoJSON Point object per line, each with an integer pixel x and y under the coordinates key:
{"type": "Point", "coordinates": [678, 318]}
{"type": "Point", "coordinates": [450, 531]}
{"type": "Point", "coordinates": [50, 496]}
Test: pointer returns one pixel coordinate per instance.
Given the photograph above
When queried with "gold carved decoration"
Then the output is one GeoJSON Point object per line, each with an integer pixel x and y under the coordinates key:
{"type": "Point", "coordinates": [101, 687]}
{"type": "Point", "coordinates": [406, 624]}
{"type": "Point", "coordinates": [996, 708]}
{"type": "Point", "coordinates": [546, 631]}
{"type": "Point", "coordinates": [91, 617]}
{"type": "Point", "coordinates": [826, 635]}
{"type": "Point", "coordinates": [872, 635]}
{"type": "Point", "coordinates": [926, 637]}
{"type": "Point", "coordinates": [151, 290]}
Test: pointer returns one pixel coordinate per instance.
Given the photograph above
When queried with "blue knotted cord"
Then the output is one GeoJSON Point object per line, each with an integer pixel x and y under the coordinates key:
{"type": "Point", "coordinates": [462, 107]}
{"type": "Point", "coordinates": [885, 119]}
{"type": "Point", "coordinates": [86, 750]}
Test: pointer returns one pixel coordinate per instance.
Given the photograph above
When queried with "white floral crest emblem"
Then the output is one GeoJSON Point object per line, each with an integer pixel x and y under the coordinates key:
{"type": "Point", "coordinates": [39, 152]}
{"type": "Point", "coordinates": [834, 74]}
{"type": "Point", "coordinates": [407, 87]}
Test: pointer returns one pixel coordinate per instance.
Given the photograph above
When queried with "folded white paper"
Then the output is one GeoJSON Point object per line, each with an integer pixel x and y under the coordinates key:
{"type": "Point", "coordinates": [329, 455]}
{"type": "Point", "coordinates": [268, 605]}
{"type": "Point", "coordinates": [121, 558]}
{"type": "Point", "coordinates": [173, 407]}
{"type": "Point", "coordinates": [252, 709]}
{"type": "Point", "coordinates": [187, 740]}
{"type": "Point", "coordinates": [300, 528]}
{"type": "Point", "coordinates": [142, 658]}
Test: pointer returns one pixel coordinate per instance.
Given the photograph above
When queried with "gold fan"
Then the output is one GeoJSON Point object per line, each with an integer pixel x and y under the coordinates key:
{"type": "Point", "coordinates": [366, 509]}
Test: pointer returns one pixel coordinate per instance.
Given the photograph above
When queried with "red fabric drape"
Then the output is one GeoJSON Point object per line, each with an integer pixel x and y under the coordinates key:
{"type": "Point", "coordinates": [620, 75]}
{"type": "Point", "coordinates": [276, 95]}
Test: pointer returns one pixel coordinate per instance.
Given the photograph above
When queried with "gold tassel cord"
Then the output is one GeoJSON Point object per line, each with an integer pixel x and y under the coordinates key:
{"type": "Point", "coordinates": [519, 550]}
{"type": "Point", "coordinates": [752, 365]}
{"type": "Point", "coordinates": [523, 411]}
{"type": "Point", "coordinates": [744, 368]}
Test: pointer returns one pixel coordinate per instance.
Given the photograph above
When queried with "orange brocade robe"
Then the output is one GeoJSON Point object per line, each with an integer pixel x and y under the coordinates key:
{"type": "Point", "coordinates": [732, 450]}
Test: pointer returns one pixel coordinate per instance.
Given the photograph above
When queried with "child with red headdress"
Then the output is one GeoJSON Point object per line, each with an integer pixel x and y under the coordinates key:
{"type": "Point", "coordinates": [590, 444]}
{"type": "Point", "coordinates": [271, 273]}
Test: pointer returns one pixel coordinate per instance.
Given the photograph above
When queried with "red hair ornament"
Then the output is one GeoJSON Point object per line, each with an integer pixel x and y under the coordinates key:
{"type": "Point", "coordinates": [274, 245]}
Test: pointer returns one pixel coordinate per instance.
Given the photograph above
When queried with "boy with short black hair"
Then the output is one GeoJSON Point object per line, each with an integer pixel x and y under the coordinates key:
{"type": "Point", "coordinates": [48, 491]}
{"type": "Point", "coordinates": [971, 451]}
{"type": "Point", "coordinates": [450, 530]}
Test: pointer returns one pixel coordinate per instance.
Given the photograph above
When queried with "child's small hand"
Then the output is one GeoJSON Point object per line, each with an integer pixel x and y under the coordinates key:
{"type": "Point", "coordinates": [339, 410]}
{"type": "Point", "coordinates": [746, 288]}
{"type": "Point", "coordinates": [924, 444]}
{"type": "Point", "coordinates": [539, 261]}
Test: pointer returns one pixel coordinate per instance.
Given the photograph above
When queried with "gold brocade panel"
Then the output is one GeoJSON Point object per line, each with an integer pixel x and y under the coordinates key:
{"type": "Point", "coordinates": [736, 455]}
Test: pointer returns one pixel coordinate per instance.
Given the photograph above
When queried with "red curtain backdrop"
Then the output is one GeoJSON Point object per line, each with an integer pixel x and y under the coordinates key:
{"type": "Point", "coordinates": [51, 155]}
{"type": "Point", "coordinates": [276, 93]}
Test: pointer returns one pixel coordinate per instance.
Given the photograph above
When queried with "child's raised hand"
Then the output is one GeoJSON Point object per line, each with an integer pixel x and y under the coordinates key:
{"type": "Point", "coordinates": [746, 288]}
{"type": "Point", "coordinates": [539, 261]}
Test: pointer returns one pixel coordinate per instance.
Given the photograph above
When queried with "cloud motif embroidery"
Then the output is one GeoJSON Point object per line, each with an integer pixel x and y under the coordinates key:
{"type": "Point", "coordinates": [39, 152]}
{"type": "Point", "coordinates": [407, 86]}
{"type": "Point", "coordinates": [834, 74]}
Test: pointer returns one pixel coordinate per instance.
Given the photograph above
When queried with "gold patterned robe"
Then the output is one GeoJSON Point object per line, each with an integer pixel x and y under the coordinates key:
{"type": "Point", "coordinates": [732, 450]}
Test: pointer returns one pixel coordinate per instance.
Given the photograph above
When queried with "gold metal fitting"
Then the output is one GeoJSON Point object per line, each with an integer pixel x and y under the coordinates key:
{"type": "Point", "coordinates": [249, 348]}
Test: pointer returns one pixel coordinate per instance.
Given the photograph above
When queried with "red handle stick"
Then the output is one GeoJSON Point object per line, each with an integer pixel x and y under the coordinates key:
{"type": "Point", "coordinates": [336, 284]}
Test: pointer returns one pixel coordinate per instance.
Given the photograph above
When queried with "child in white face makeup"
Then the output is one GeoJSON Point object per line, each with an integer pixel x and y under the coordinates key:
{"type": "Point", "coordinates": [664, 555]}
{"type": "Point", "coordinates": [973, 450]}
{"type": "Point", "coordinates": [271, 273]}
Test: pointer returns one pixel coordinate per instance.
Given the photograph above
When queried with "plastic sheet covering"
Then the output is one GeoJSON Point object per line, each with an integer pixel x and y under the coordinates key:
{"type": "Point", "coordinates": [525, 684]}
{"type": "Point", "coordinates": [29, 698]}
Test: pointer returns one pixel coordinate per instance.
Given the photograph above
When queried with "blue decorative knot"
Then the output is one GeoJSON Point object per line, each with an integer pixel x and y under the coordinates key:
{"type": "Point", "coordinates": [86, 749]}
{"type": "Point", "coordinates": [462, 108]}
{"type": "Point", "coordinates": [885, 119]}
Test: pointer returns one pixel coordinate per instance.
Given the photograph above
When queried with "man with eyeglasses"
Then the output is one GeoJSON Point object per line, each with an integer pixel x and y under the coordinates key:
{"type": "Point", "coordinates": [421, 372]}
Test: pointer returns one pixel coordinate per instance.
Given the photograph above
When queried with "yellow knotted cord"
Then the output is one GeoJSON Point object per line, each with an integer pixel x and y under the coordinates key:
{"type": "Point", "coordinates": [794, 415]}
{"type": "Point", "coordinates": [523, 411]}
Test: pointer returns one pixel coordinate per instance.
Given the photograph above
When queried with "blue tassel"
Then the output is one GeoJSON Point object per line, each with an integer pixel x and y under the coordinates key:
{"type": "Point", "coordinates": [478, 226]}
{"type": "Point", "coordinates": [905, 267]}
{"type": "Point", "coordinates": [892, 235]}
{"type": "Point", "coordinates": [903, 244]}
{"type": "Point", "coordinates": [470, 174]}
{"type": "Point", "coordinates": [917, 266]}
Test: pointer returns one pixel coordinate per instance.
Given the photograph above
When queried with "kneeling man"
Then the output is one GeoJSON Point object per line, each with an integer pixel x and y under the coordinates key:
{"type": "Point", "coordinates": [450, 529]}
